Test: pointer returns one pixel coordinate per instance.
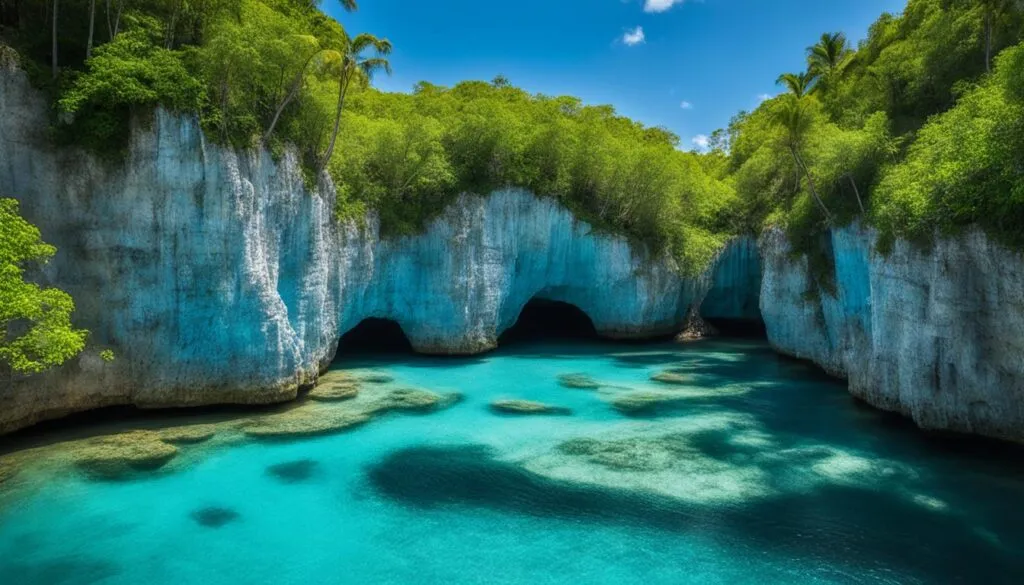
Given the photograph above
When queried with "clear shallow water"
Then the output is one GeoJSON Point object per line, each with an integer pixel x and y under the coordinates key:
{"type": "Point", "coordinates": [772, 475]}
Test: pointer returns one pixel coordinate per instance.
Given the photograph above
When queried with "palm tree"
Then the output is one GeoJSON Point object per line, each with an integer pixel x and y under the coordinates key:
{"type": "Point", "coordinates": [351, 63]}
{"type": "Point", "coordinates": [799, 84]}
{"type": "Point", "coordinates": [300, 76]}
{"type": "Point", "coordinates": [829, 55]}
{"type": "Point", "coordinates": [796, 122]}
{"type": "Point", "coordinates": [828, 58]}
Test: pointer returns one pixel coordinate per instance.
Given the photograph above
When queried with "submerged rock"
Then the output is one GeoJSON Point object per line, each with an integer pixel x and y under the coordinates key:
{"type": "Point", "coordinates": [334, 392]}
{"type": "Point", "coordinates": [578, 381]}
{"type": "Point", "coordinates": [214, 516]}
{"type": "Point", "coordinates": [188, 435]}
{"type": "Point", "coordinates": [304, 422]}
{"type": "Point", "coordinates": [376, 378]}
{"type": "Point", "coordinates": [293, 471]}
{"type": "Point", "coordinates": [119, 455]}
{"type": "Point", "coordinates": [414, 399]}
{"type": "Point", "coordinates": [527, 407]}
{"type": "Point", "coordinates": [624, 454]}
{"type": "Point", "coordinates": [642, 402]}
{"type": "Point", "coordinates": [8, 470]}
{"type": "Point", "coordinates": [670, 377]}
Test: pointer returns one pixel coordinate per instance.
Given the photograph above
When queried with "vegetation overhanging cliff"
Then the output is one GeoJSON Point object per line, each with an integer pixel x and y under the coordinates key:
{"type": "Point", "coordinates": [918, 132]}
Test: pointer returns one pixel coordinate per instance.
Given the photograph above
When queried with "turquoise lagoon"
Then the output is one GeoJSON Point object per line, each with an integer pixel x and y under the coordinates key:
{"type": "Point", "coordinates": [760, 470]}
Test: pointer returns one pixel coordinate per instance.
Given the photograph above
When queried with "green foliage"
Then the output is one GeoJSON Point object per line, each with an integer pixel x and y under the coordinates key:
{"type": "Point", "coordinates": [908, 132]}
{"type": "Point", "coordinates": [35, 322]}
{"type": "Point", "coordinates": [409, 155]}
{"type": "Point", "coordinates": [107, 355]}
{"type": "Point", "coordinates": [129, 72]}
{"type": "Point", "coordinates": [965, 166]}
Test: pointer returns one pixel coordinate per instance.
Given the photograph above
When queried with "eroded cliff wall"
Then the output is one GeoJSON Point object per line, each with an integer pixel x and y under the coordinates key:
{"type": "Point", "coordinates": [216, 277]}
{"type": "Point", "coordinates": [935, 335]}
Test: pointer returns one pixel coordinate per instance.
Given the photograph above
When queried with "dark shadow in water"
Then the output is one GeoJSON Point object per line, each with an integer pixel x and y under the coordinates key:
{"type": "Point", "coordinates": [544, 320]}
{"type": "Point", "coordinates": [74, 570]}
{"type": "Point", "coordinates": [214, 516]}
{"type": "Point", "coordinates": [375, 336]}
{"type": "Point", "coordinates": [293, 471]}
{"type": "Point", "coordinates": [869, 531]}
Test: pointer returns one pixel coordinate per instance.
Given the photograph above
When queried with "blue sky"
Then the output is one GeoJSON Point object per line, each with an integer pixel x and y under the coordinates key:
{"type": "Point", "coordinates": [688, 65]}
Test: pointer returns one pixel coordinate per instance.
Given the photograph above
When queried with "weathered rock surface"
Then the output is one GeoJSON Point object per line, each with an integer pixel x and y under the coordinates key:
{"type": "Point", "coordinates": [216, 277]}
{"type": "Point", "coordinates": [935, 335]}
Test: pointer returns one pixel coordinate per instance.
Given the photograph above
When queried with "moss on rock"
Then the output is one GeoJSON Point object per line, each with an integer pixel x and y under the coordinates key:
{"type": "Point", "coordinates": [527, 407]}
{"type": "Point", "coordinates": [119, 455]}
{"type": "Point", "coordinates": [578, 382]}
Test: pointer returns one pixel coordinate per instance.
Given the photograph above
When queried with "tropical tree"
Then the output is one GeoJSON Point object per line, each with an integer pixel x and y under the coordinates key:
{"type": "Point", "coordinates": [796, 121]}
{"type": "Point", "coordinates": [35, 323]}
{"type": "Point", "coordinates": [828, 57]}
{"type": "Point", "coordinates": [799, 84]}
{"type": "Point", "coordinates": [351, 63]}
{"type": "Point", "coordinates": [314, 50]}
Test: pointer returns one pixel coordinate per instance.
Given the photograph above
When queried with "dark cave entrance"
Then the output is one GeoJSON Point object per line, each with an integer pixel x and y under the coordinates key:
{"type": "Point", "coordinates": [543, 319]}
{"type": "Point", "coordinates": [374, 335]}
{"type": "Point", "coordinates": [739, 328]}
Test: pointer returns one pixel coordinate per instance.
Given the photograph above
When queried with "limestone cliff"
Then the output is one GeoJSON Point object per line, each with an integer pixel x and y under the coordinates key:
{"type": "Point", "coordinates": [935, 335]}
{"type": "Point", "coordinates": [216, 277]}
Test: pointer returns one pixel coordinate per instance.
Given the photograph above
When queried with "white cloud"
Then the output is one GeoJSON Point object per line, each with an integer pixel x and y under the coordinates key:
{"type": "Point", "coordinates": [701, 141]}
{"type": "Point", "coordinates": [686, 105]}
{"type": "Point", "coordinates": [763, 98]}
{"type": "Point", "coordinates": [660, 5]}
{"type": "Point", "coordinates": [634, 37]}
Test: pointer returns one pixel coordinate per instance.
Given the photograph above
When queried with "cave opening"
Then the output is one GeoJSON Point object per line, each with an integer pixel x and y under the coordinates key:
{"type": "Point", "coordinates": [374, 335]}
{"type": "Point", "coordinates": [738, 328]}
{"type": "Point", "coordinates": [543, 319]}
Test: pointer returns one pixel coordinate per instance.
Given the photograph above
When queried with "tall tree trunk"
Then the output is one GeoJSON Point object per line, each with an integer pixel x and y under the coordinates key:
{"type": "Point", "coordinates": [988, 40]}
{"type": "Point", "coordinates": [172, 26]}
{"type": "Point", "coordinates": [293, 91]}
{"type": "Point", "coordinates": [55, 8]}
{"type": "Point", "coordinates": [92, 27]}
{"type": "Point", "coordinates": [342, 90]}
{"type": "Point", "coordinates": [856, 192]}
{"type": "Point", "coordinates": [117, 19]}
{"type": "Point", "coordinates": [810, 182]}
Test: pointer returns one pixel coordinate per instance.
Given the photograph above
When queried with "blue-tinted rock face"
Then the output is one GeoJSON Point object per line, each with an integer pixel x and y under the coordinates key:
{"type": "Point", "coordinates": [215, 276]}
{"type": "Point", "coordinates": [936, 336]}
{"type": "Point", "coordinates": [736, 284]}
